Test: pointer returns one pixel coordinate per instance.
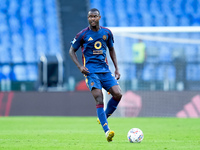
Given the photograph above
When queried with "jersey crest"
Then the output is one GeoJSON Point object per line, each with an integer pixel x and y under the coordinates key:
{"type": "Point", "coordinates": [104, 37]}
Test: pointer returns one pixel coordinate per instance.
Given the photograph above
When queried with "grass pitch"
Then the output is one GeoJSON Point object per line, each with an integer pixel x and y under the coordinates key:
{"type": "Point", "coordinates": [75, 133]}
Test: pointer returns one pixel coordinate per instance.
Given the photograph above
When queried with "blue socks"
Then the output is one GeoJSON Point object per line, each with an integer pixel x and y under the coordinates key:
{"type": "Point", "coordinates": [111, 107]}
{"type": "Point", "coordinates": [102, 117]}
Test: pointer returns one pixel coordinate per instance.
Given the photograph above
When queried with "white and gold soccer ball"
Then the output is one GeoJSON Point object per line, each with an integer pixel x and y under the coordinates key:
{"type": "Point", "coordinates": [135, 135]}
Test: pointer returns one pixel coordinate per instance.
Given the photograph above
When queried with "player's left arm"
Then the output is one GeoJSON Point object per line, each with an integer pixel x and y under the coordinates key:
{"type": "Point", "coordinates": [114, 60]}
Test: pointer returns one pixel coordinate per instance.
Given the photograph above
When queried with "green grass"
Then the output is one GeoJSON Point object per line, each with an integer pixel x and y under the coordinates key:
{"type": "Point", "coordinates": [83, 133]}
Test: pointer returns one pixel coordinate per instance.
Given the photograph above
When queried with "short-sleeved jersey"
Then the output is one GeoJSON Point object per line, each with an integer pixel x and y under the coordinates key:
{"type": "Point", "coordinates": [94, 45]}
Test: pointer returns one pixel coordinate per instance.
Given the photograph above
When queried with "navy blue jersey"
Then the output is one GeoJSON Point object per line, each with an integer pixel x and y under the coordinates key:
{"type": "Point", "coordinates": [94, 45]}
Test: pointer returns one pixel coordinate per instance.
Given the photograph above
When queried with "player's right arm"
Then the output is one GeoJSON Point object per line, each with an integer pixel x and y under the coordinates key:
{"type": "Point", "coordinates": [72, 53]}
{"type": "Point", "coordinates": [75, 44]}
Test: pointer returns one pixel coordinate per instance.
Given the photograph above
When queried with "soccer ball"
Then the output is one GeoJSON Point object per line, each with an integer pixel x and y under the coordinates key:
{"type": "Point", "coordinates": [135, 135]}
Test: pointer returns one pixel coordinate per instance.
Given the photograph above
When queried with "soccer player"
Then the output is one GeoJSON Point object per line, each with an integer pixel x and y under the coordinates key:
{"type": "Point", "coordinates": [94, 41]}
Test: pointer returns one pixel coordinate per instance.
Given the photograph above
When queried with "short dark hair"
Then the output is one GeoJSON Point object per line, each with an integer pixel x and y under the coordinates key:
{"type": "Point", "coordinates": [93, 10]}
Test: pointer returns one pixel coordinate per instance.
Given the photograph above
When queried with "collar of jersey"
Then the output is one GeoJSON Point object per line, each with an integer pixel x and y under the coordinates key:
{"type": "Point", "coordinates": [92, 30]}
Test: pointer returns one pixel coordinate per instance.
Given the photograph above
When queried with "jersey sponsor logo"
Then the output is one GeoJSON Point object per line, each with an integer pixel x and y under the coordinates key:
{"type": "Point", "coordinates": [74, 40]}
{"type": "Point", "coordinates": [97, 45]}
{"type": "Point", "coordinates": [90, 39]}
{"type": "Point", "coordinates": [95, 52]}
{"type": "Point", "coordinates": [104, 37]}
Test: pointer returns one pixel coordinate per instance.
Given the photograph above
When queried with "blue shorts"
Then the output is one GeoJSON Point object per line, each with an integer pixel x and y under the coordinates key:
{"type": "Point", "coordinates": [99, 80]}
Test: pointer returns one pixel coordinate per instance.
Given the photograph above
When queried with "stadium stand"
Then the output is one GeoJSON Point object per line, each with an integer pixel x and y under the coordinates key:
{"type": "Point", "coordinates": [165, 59]}
{"type": "Point", "coordinates": [27, 30]}
{"type": "Point", "coordinates": [148, 12]}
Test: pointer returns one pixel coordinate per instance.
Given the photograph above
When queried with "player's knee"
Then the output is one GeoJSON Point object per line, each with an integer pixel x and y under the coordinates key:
{"type": "Point", "coordinates": [99, 103]}
{"type": "Point", "coordinates": [99, 100]}
{"type": "Point", "coordinates": [118, 96]}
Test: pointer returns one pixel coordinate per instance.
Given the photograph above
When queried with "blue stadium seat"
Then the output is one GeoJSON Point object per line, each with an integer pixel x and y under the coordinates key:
{"type": "Point", "coordinates": [109, 13]}
{"type": "Point", "coordinates": [3, 6]}
{"type": "Point", "coordinates": [14, 24]}
{"type": "Point", "coordinates": [121, 13]}
{"type": "Point", "coordinates": [136, 20]}
{"type": "Point", "coordinates": [147, 19]}
{"type": "Point", "coordinates": [171, 73]}
{"type": "Point", "coordinates": [17, 55]}
{"type": "Point", "coordinates": [132, 7]}
{"type": "Point", "coordinates": [128, 46]}
{"type": "Point", "coordinates": [41, 45]}
{"type": "Point", "coordinates": [171, 20]}
{"type": "Point", "coordinates": [160, 20]}
{"type": "Point", "coordinates": [5, 56]}
{"type": "Point", "coordinates": [37, 8]}
{"type": "Point", "coordinates": [143, 6]}
{"type": "Point", "coordinates": [171, 35]}
{"type": "Point", "coordinates": [32, 72]}
{"type": "Point", "coordinates": [2, 76]}
{"type": "Point", "coordinates": [189, 7]}
{"type": "Point", "coordinates": [195, 35]}
{"type": "Point", "coordinates": [178, 52]}
{"type": "Point", "coordinates": [6, 69]}
{"type": "Point", "coordinates": [184, 21]}
{"type": "Point", "coordinates": [165, 54]}
{"type": "Point", "coordinates": [155, 7]}
{"type": "Point", "coordinates": [184, 35]}
{"type": "Point", "coordinates": [130, 72]}
{"type": "Point", "coordinates": [17, 52]}
{"type": "Point", "coordinates": [192, 72]}
{"type": "Point", "coordinates": [118, 47]}
{"type": "Point", "coordinates": [149, 72]}
{"type": "Point", "coordinates": [196, 18]}
{"type": "Point", "coordinates": [178, 8]}
{"type": "Point", "coordinates": [13, 7]}
{"type": "Point", "coordinates": [20, 72]}
{"type": "Point", "coordinates": [25, 12]}
{"type": "Point", "coordinates": [166, 72]}
{"type": "Point", "coordinates": [161, 73]}
{"type": "Point", "coordinates": [191, 54]}
{"type": "Point", "coordinates": [8, 72]}
{"type": "Point", "coordinates": [166, 7]}
{"type": "Point", "coordinates": [30, 55]}
{"type": "Point", "coordinates": [152, 53]}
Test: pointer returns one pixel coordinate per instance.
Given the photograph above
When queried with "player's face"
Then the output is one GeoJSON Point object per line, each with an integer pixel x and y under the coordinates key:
{"type": "Point", "coordinates": [93, 18]}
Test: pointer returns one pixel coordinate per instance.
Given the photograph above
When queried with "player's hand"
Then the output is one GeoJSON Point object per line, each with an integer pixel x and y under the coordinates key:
{"type": "Point", "coordinates": [84, 70]}
{"type": "Point", "coordinates": [117, 74]}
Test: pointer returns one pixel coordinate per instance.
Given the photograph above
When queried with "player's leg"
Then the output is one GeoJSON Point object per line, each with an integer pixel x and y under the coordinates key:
{"type": "Point", "coordinates": [111, 85]}
{"type": "Point", "coordinates": [112, 104]}
{"type": "Point", "coordinates": [98, 96]}
{"type": "Point", "coordinates": [93, 83]}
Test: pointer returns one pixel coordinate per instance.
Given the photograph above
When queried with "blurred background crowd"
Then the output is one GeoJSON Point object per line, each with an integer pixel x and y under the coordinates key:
{"type": "Point", "coordinates": [35, 38]}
